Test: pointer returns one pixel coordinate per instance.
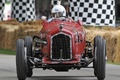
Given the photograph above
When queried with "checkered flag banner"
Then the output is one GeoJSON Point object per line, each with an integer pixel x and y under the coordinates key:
{"type": "Point", "coordinates": [54, 2]}
{"type": "Point", "coordinates": [93, 12]}
{"type": "Point", "coordinates": [24, 10]}
{"type": "Point", "coordinates": [2, 5]}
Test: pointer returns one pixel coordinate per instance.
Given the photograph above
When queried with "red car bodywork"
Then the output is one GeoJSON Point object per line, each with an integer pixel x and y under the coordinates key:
{"type": "Point", "coordinates": [61, 46]}
{"type": "Point", "coordinates": [68, 27]}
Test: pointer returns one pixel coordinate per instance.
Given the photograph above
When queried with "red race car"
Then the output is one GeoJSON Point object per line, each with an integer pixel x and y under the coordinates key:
{"type": "Point", "coordinates": [61, 45]}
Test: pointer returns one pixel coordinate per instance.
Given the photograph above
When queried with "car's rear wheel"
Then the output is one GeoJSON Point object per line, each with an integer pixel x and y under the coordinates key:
{"type": "Point", "coordinates": [28, 45]}
{"type": "Point", "coordinates": [21, 60]}
{"type": "Point", "coordinates": [99, 62]}
{"type": "Point", "coordinates": [95, 44]}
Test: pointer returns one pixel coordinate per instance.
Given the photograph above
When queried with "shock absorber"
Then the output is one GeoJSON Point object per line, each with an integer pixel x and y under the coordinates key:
{"type": "Point", "coordinates": [38, 53]}
{"type": "Point", "coordinates": [89, 49]}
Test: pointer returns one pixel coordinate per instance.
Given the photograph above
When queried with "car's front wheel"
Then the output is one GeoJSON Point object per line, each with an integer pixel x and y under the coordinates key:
{"type": "Point", "coordinates": [99, 62]}
{"type": "Point", "coordinates": [21, 60]}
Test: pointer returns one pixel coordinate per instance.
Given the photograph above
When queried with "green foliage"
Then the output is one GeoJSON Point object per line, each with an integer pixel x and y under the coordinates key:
{"type": "Point", "coordinates": [9, 52]}
{"type": "Point", "coordinates": [8, 2]}
{"type": "Point", "coordinates": [109, 62]}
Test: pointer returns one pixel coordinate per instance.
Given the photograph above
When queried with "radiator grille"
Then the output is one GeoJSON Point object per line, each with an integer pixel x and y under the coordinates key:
{"type": "Point", "coordinates": [61, 47]}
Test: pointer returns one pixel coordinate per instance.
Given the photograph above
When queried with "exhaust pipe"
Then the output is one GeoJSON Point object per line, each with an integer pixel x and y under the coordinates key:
{"type": "Point", "coordinates": [38, 40]}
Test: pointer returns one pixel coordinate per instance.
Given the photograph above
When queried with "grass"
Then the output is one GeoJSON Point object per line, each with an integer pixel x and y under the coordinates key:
{"type": "Point", "coordinates": [109, 62]}
{"type": "Point", "coordinates": [9, 52]}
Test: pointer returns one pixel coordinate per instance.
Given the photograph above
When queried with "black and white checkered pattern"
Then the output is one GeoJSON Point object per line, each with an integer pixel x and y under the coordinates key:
{"type": "Point", "coordinates": [93, 12]}
{"type": "Point", "coordinates": [24, 10]}
{"type": "Point", "coordinates": [54, 2]}
{"type": "Point", "coordinates": [31, 10]}
{"type": "Point", "coordinates": [2, 4]}
{"type": "Point", "coordinates": [74, 9]}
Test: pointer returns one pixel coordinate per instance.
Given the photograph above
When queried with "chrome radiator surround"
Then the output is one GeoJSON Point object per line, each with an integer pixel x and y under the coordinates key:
{"type": "Point", "coordinates": [66, 47]}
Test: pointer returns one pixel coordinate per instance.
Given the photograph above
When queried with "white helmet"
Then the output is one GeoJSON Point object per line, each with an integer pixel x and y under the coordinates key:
{"type": "Point", "coordinates": [58, 11]}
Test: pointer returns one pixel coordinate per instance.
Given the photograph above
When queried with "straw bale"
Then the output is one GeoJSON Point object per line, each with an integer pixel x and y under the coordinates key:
{"type": "Point", "coordinates": [117, 49]}
{"type": "Point", "coordinates": [110, 45]}
{"type": "Point", "coordinates": [11, 22]}
{"type": "Point", "coordinates": [2, 37]}
{"type": "Point", "coordinates": [11, 31]}
{"type": "Point", "coordinates": [112, 37]}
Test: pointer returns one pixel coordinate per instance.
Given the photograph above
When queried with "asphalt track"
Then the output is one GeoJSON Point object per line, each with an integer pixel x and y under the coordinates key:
{"type": "Point", "coordinates": [8, 72]}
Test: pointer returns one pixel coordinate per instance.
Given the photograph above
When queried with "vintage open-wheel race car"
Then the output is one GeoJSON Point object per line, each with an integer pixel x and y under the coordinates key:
{"type": "Point", "coordinates": [61, 45]}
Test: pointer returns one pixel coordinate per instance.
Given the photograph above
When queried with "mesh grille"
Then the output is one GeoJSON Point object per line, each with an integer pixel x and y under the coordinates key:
{"type": "Point", "coordinates": [61, 47]}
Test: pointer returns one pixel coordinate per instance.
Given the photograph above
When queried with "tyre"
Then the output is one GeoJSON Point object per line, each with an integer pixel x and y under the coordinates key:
{"type": "Point", "coordinates": [28, 45]}
{"type": "Point", "coordinates": [21, 60]}
{"type": "Point", "coordinates": [99, 57]}
{"type": "Point", "coordinates": [95, 44]}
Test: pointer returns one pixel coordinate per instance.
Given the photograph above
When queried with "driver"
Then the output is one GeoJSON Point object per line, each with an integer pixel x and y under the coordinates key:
{"type": "Point", "coordinates": [57, 12]}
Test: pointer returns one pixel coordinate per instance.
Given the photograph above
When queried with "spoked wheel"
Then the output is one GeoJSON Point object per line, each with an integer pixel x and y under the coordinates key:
{"type": "Point", "coordinates": [21, 60]}
{"type": "Point", "coordinates": [99, 62]}
{"type": "Point", "coordinates": [28, 45]}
